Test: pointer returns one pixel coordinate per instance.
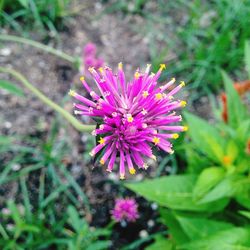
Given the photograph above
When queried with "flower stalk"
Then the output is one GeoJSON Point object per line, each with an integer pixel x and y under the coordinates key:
{"type": "Point", "coordinates": [58, 53]}
{"type": "Point", "coordinates": [71, 119]}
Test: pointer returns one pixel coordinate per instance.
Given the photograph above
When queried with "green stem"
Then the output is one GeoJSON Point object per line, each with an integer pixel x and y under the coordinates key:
{"type": "Point", "coordinates": [74, 122]}
{"type": "Point", "coordinates": [38, 45]}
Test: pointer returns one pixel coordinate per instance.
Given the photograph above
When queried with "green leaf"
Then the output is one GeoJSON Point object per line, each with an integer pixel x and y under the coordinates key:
{"type": "Point", "coordinates": [247, 57]}
{"type": "Point", "coordinates": [206, 137]}
{"type": "Point", "coordinates": [207, 180]}
{"type": "Point", "coordinates": [161, 243]}
{"type": "Point", "coordinates": [236, 109]}
{"type": "Point", "coordinates": [197, 228]}
{"type": "Point", "coordinates": [173, 192]}
{"type": "Point", "coordinates": [168, 218]}
{"type": "Point", "coordinates": [100, 245]}
{"type": "Point", "coordinates": [11, 88]}
{"type": "Point", "coordinates": [245, 213]}
{"type": "Point", "coordinates": [226, 188]}
{"type": "Point", "coordinates": [231, 239]}
{"type": "Point", "coordinates": [74, 219]}
{"type": "Point", "coordinates": [24, 3]}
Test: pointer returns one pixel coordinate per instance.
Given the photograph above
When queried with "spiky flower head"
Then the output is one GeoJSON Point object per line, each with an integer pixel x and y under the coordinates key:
{"type": "Point", "coordinates": [135, 116]}
{"type": "Point", "coordinates": [125, 210]}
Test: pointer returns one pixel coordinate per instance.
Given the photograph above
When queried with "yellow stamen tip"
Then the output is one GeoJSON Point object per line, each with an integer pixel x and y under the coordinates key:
{"type": "Point", "coordinates": [173, 79]}
{"type": "Point", "coordinates": [101, 69]}
{"type": "Point", "coordinates": [102, 161]}
{"type": "Point", "coordinates": [156, 140]}
{"type": "Point", "coordinates": [120, 66]}
{"type": "Point", "coordinates": [72, 93]}
{"type": "Point", "coordinates": [182, 83]}
{"type": "Point", "coordinates": [82, 78]}
{"type": "Point", "coordinates": [153, 157]}
{"type": "Point", "coordinates": [130, 119]}
{"type": "Point", "coordinates": [171, 151]}
{"type": "Point", "coordinates": [91, 69]}
{"type": "Point", "coordinates": [185, 128]}
{"type": "Point", "coordinates": [175, 136]}
{"type": "Point", "coordinates": [145, 94]}
{"type": "Point", "coordinates": [91, 153]}
{"type": "Point", "coordinates": [137, 75]}
{"type": "Point", "coordinates": [132, 171]}
{"type": "Point", "coordinates": [162, 66]}
{"type": "Point", "coordinates": [158, 96]}
{"type": "Point", "coordinates": [101, 141]}
{"type": "Point", "coordinates": [122, 177]}
{"type": "Point", "coordinates": [183, 103]}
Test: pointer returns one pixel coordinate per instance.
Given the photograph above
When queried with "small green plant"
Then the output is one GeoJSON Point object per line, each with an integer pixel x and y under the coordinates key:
{"type": "Point", "coordinates": [21, 228]}
{"type": "Point", "coordinates": [207, 206]}
{"type": "Point", "coordinates": [41, 14]}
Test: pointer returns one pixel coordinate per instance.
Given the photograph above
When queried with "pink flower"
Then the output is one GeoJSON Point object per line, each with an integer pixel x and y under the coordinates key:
{"type": "Point", "coordinates": [134, 116]}
{"type": "Point", "coordinates": [89, 49]}
{"type": "Point", "coordinates": [89, 57]}
{"type": "Point", "coordinates": [125, 209]}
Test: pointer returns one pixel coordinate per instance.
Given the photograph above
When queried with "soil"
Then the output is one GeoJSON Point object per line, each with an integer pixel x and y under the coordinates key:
{"type": "Point", "coordinates": [28, 117]}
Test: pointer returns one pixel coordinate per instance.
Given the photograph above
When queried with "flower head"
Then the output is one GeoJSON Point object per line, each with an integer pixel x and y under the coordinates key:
{"type": "Point", "coordinates": [90, 59]}
{"type": "Point", "coordinates": [125, 209]}
{"type": "Point", "coordinates": [89, 49]}
{"type": "Point", "coordinates": [135, 116]}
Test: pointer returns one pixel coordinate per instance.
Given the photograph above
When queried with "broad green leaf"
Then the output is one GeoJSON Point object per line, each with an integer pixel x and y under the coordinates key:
{"type": "Point", "coordinates": [231, 239]}
{"type": "Point", "coordinates": [161, 243]}
{"type": "Point", "coordinates": [236, 110]}
{"type": "Point", "coordinates": [173, 192]}
{"type": "Point", "coordinates": [11, 88]}
{"type": "Point", "coordinates": [207, 180]}
{"type": "Point", "coordinates": [168, 218]}
{"type": "Point", "coordinates": [245, 213]}
{"type": "Point", "coordinates": [228, 187]}
{"type": "Point", "coordinates": [206, 137]}
{"type": "Point", "coordinates": [197, 228]}
{"type": "Point", "coordinates": [247, 57]}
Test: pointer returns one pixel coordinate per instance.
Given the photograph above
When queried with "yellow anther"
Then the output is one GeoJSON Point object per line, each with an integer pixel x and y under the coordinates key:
{"type": "Point", "coordinates": [156, 140]}
{"type": "Point", "coordinates": [153, 157]}
{"type": "Point", "coordinates": [130, 118]}
{"type": "Point", "coordinates": [182, 83]}
{"type": "Point", "coordinates": [72, 93]}
{"type": "Point", "coordinates": [183, 103]}
{"type": "Point", "coordinates": [152, 74]}
{"type": "Point", "coordinates": [158, 96]}
{"type": "Point", "coordinates": [101, 141]}
{"type": "Point", "coordinates": [145, 94]}
{"type": "Point", "coordinates": [91, 69]}
{"type": "Point", "coordinates": [185, 128]}
{"type": "Point", "coordinates": [175, 136]}
{"type": "Point", "coordinates": [137, 75]}
{"type": "Point", "coordinates": [92, 153]}
{"type": "Point", "coordinates": [82, 78]}
{"type": "Point", "coordinates": [171, 151]}
{"type": "Point", "coordinates": [173, 79]}
{"type": "Point", "coordinates": [132, 171]}
{"type": "Point", "coordinates": [102, 161]}
{"type": "Point", "coordinates": [162, 66]}
{"type": "Point", "coordinates": [101, 69]}
{"type": "Point", "coordinates": [122, 177]}
{"type": "Point", "coordinates": [120, 65]}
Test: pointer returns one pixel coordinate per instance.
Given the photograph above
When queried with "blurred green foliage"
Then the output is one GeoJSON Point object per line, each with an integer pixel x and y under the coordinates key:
{"type": "Point", "coordinates": [43, 15]}
{"type": "Point", "coordinates": [207, 206]}
{"type": "Point", "coordinates": [200, 37]}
